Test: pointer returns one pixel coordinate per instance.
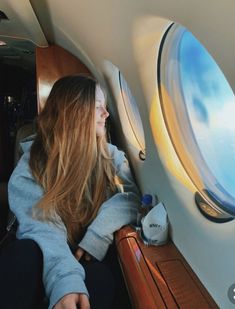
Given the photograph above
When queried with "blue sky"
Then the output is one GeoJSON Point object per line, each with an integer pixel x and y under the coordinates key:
{"type": "Point", "coordinates": [211, 109]}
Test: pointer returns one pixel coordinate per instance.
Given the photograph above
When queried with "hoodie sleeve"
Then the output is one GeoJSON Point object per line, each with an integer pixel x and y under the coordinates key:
{"type": "Point", "coordinates": [62, 273]}
{"type": "Point", "coordinates": [119, 210]}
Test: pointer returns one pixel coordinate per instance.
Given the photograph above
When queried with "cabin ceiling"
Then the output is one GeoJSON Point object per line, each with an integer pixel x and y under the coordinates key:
{"type": "Point", "coordinates": [98, 30]}
{"type": "Point", "coordinates": [20, 53]}
{"type": "Point", "coordinates": [20, 31]}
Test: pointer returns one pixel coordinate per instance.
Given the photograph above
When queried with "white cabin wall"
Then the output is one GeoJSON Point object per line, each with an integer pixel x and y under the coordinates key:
{"type": "Point", "coordinates": [207, 246]}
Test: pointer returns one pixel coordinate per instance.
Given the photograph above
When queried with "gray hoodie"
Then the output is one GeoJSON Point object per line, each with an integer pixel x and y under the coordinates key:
{"type": "Point", "coordinates": [62, 273]}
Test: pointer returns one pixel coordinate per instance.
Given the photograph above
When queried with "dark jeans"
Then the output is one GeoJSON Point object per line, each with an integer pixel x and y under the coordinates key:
{"type": "Point", "coordinates": [21, 286]}
{"type": "Point", "coordinates": [21, 275]}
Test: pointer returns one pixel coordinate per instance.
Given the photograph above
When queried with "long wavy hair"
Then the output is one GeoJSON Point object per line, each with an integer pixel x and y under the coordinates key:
{"type": "Point", "coordinates": [67, 159]}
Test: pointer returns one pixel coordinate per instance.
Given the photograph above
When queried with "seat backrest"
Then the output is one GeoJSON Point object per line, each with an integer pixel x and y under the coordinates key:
{"type": "Point", "coordinates": [24, 131]}
{"type": "Point", "coordinates": [6, 216]}
{"type": "Point", "coordinates": [3, 208]}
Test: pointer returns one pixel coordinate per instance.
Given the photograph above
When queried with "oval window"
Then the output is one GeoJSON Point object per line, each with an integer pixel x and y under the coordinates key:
{"type": "Point", "coordinates": [199, 106]}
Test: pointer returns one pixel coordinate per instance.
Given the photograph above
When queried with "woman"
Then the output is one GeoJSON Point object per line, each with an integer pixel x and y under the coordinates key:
{"type": "Point", "coordinates": [71, 191]}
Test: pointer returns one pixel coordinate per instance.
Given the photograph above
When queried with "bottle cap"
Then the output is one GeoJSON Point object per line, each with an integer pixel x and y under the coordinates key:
{"type": "Point", "coordinates": [147, 199]}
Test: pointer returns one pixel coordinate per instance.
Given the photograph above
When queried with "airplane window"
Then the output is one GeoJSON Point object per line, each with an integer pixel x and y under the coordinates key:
{"type": "Point", "coordinates": [132, 112]}
{"type": "Point", "coordinates": [203, 105]}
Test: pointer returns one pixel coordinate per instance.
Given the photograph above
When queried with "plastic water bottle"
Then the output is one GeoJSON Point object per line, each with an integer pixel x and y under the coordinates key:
{"type": "Point", "coordinates": [144, 208]}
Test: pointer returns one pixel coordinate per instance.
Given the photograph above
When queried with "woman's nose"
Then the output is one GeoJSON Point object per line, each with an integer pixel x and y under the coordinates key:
{"type": "Point", "coordinates": [105, 113]}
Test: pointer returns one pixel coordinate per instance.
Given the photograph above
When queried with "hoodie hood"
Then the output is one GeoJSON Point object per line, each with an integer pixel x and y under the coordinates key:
{"type": "Point", "coordinates": [26, 143]}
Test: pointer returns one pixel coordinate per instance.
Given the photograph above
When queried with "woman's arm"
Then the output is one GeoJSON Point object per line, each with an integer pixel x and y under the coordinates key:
{"type": "Point", "coordinates": [62, 273]}
{"type": "Point", "coordinates": [119, 210]}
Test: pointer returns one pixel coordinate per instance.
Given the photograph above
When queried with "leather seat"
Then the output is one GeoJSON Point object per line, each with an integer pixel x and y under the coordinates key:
{"type": "Point", "coordinates": [23, 132]}
{"type": "Point", "coordinates": [3, 208]}
{"type": "Point", "coordinates": [5, 214]}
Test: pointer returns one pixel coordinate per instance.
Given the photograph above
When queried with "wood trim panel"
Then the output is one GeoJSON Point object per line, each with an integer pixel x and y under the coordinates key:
{"type": "Point", "coordinates": [181, 285]}
{"type": "Point", "coordinates": [160, 273]}
{"type": "Point", "coordinates": [52, 63]}
{"type": "Point", "coordinates": [139, 281]}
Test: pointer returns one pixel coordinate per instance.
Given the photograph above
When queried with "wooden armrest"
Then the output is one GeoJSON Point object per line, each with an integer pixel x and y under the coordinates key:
{"type": "Point", "coordinates": [159, 276]}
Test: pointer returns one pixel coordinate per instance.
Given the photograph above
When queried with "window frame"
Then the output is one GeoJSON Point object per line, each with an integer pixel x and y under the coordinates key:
{"type": "Point", "coordinates": [207, 204]}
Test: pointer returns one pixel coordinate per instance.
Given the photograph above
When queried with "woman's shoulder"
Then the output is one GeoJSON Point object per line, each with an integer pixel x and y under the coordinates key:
{"type": "Point", "coordinates": [117, 155]}
{"type": "Point", "coordinates": [114, 150]}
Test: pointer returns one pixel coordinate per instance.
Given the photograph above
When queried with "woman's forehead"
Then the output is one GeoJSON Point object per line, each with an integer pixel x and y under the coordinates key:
{"type": "Point", "coordinates": [99, 94]}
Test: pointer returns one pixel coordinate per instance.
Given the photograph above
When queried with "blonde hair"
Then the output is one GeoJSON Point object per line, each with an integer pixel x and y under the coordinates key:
{"type": "Point", "coordinates": [67, 159]}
